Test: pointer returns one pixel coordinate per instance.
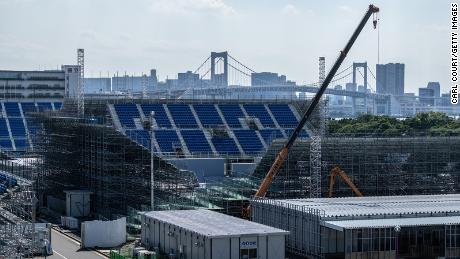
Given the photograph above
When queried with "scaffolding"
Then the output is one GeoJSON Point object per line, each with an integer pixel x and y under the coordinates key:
{"type": "Point", "coordinates": [18, 235]}
{"type": "Point", "coordinates": [89, 153]}
{"type": "Point", "coordinates": [377, 166]}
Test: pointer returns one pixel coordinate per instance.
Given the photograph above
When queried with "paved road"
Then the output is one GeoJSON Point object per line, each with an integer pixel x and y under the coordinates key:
{"type": "Point", "coordinates": [66, 248]}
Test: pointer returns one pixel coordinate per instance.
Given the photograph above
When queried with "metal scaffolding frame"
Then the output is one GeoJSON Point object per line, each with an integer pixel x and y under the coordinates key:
{"type": "Point", "coordinates": [85, 154]}
{"type": "Point", "coordinates": [377, 166]}
{"type": "Point", "coordinates": [89, 153]}
{"type": "Point", "coordinates": [18, 235]}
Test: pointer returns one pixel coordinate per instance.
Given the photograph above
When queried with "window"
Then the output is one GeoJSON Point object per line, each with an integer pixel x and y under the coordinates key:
{"type": "Point", "coordinates": [248, 253]}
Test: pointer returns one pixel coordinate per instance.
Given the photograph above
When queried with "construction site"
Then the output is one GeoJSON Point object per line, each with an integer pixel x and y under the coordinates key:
{"type": "Point", "coordinates": [151, 175]}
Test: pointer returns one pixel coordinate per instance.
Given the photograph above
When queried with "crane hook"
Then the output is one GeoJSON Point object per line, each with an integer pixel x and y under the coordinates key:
{"type": "Point", "coordinates": [375, 18]}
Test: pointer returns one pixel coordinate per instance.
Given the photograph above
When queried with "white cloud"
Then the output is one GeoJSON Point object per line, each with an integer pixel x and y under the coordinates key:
{"type": "Point", "coordinates": [289, 9]}
{"type": "Point", "coordinates": [191, 6]}
{"type": "Point", "coordinates": [346, 8]}
{"type": "Point", "coordinates": [438, 28]}
{"type": "Point", "coordinates": [90, 35]}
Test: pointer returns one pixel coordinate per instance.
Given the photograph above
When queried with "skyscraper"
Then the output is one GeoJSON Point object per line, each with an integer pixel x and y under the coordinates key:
{"type": "Point", "coordinates": [390, 78]}
{"type": "Point", "coordinates": [436, 88]}
{"type": "Point", "coordinates": [426, 96]}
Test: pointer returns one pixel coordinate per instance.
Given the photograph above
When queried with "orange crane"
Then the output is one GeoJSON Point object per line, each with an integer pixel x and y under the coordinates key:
{"type": "Point", "coordinates": [333, 174]}
{"type": "Point", "coordinates": [283, 153]}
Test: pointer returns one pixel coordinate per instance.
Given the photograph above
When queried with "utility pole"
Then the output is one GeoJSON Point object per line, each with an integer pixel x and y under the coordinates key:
{"type": "Point", "coordinates": [152, 180]}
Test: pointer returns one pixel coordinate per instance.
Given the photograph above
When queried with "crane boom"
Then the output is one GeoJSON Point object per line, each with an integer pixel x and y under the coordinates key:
{"type": "Point", "coordinates": [283, 153]}
{"type": "Point", "coordinates": [333, 174]}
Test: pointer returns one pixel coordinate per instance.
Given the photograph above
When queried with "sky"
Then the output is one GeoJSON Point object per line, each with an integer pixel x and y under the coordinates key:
{"type": "Point", "coordinates": [284, 36]}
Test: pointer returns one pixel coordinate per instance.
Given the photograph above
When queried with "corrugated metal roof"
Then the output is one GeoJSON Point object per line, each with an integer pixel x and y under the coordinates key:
{"type": "Point", "coordinates": [381, 205]}
{"type": "Point", "coordinates": [391, 223]}
{"type": "Point", "coordinates": [212, 224]}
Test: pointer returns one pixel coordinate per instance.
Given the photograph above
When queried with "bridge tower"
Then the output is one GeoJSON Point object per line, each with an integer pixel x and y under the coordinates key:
{"type": "Point", "coordinates": [363, 65]}
{"type": "Point", "coordinates": [219, 79]}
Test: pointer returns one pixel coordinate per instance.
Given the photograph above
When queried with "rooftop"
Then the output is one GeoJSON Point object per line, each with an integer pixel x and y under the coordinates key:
{"type": "Point", "coordinates": [380, 205]}
{"type": "Point", "coordinates": [340, 225]}
{"type": "Point", "coordinates": [212, 224]}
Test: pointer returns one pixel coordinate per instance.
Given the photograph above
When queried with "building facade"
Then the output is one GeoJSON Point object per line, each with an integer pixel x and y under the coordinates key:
{"type": "Point", "coordinates": [204, 234]}
{"type": "Point", "coordinates": [98, 85]}
{"type": "Point", "coordinates": [390, 78]}
{"type": "Point", "coordinates": [18, 85]}
{"type": "Point", "coordinates": [418, 226]}
{"type": "Point", "coordinates": [133, 84]}
{"type": "Point", "coordinates": [436, 87]}
{"type": "Point", "coordinates": [188, 80]}
{"type": "Point", "coordinates": [72, 77]}
{"type": "Point", "coordinates": [426, 96]}
{"type": "Point", "coordinates": [267, 78]}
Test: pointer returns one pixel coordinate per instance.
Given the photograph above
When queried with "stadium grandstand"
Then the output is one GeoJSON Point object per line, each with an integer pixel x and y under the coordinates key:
{"type": "Point", "coordinates": [16, 130]}
{"type": "Point", "coordinates": [204, 151]}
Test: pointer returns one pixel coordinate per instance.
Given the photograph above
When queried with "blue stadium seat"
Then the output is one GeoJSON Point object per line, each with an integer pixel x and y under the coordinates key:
{"type": "Point", "coordinates": [44, 107]}
{"type": "Point", "coordinates": [17, 127]}
{"type": "Point", "coordinates": [259, 111]}
{"type": "Point", "coordinates": [182, 116]}
{"type": "Point", "coordinates": [283, 115]}
{"type": "Point", "coordinates": [249, 141]}
{"type": "Point", "coordinates": [28, 107]}
{"type": "Point", "coordinates": [231, 113]}
{"type": "Point", "coordinates": [167, 140]}
{"type": "Point", "coordinates": [3, 129]}
{"type": "Point", "coordinates": [141, 137]}
{"type": "Point", "coordinates": [270, 134]}
{"type": "Point", "coordinates": [126, 113]}
{"type": "Point", "coordinates": [208, 115]}
{"type": "Point", "coordinates": [160, 114]}
{"type": "Point", "coordinates": [196, 141]}
{"type": "Point", "coordinates": [57, 106]}
{"type": "Point", "coordinates": [21, 143]}
{"type": "Point", "coordinates": [6, 144]}
{"type": "Point", "coordinates": [12, 109]}
{"type": "Point", "coordinates": [225, 145]}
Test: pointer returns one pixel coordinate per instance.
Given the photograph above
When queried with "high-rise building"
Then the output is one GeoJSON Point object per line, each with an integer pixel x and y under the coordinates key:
{"type": "Point", "coordinates": [350, 87]}
{"type": "Point", "coordinates": [338, 99]}
{"type": "Point", "coordinates": [390, 78]}
{"type": "Point", "coordinates": [97, 85]}
{"type": "Point", "coordinates": [267, 78]}
{"type": "Point", "coordinates": [445, 99]}
{"type": "Point", "coordinates": [48, 84]}
{"type": "Point", "coordinates": [153, 79]}
{"type": "Point", "coordinates": [188, 79]}
{"type": "Point", "coordinates": [129, 83]}
{"type": "Point", "coordinates": [436, 88]}
{"type": "Point", "coordinates": [426, 96]}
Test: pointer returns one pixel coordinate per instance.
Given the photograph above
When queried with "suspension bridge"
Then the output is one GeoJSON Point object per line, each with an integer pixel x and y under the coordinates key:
{"type": "Point", "coordinates": [222, 76]}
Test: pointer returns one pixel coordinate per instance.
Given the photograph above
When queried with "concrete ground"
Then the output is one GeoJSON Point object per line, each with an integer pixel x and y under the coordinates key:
{"type": "Point", "coordinates": [67, 248]}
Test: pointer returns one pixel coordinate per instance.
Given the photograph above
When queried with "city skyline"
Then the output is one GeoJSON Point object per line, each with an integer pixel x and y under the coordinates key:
{"type": "Point", "coordinates": [285, 37]}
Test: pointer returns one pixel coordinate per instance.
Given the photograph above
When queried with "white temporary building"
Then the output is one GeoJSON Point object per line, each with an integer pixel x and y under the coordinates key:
{"type": "Point", "coordinates": [205, 234]}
